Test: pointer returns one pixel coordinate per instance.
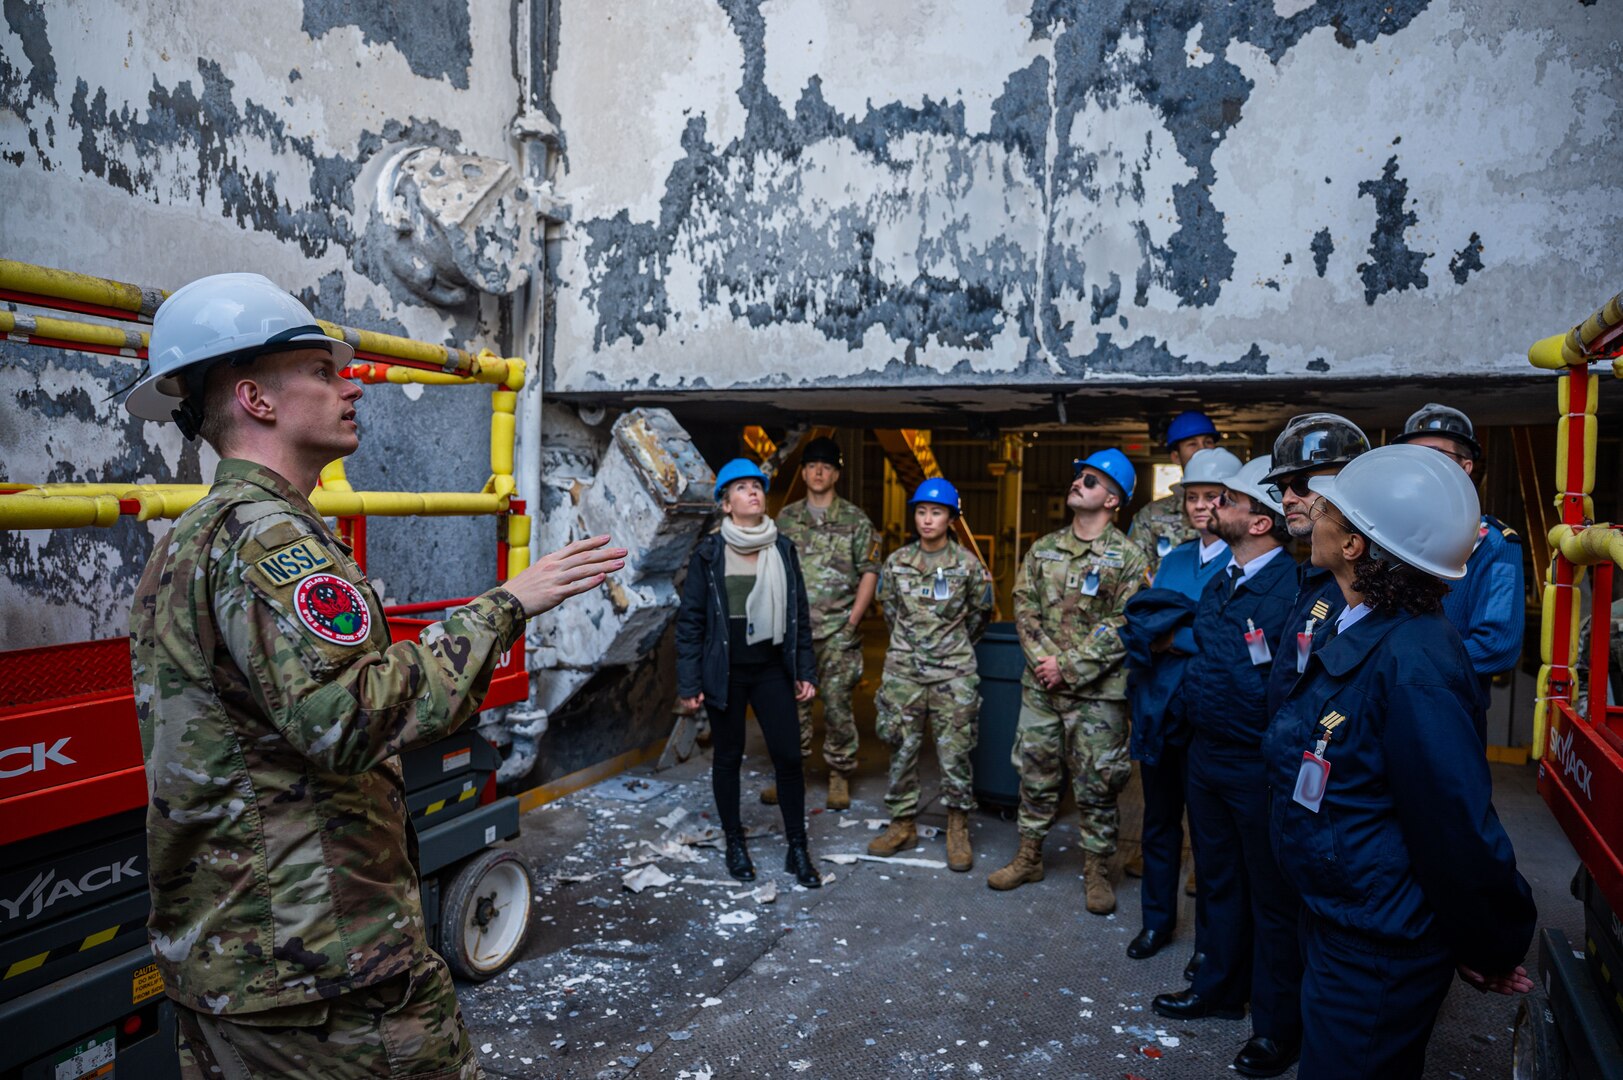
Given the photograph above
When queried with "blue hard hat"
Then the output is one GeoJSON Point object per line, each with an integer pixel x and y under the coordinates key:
{"type": "Point", "coordinates": [939, 491]}
{"type": "Point", "coordinates": [1114, 464]}
{"type": "Point", "coordinates": [740, 469]}
{"type": "Point", "coordinates": [1186, 425]}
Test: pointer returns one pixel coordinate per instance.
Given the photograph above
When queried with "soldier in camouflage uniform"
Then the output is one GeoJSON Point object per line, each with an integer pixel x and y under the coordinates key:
{"type": "Point", "coordinates": [285, 918]}
{"type": "Point", "coordinates": [1068, 600]}
{"type": "Point", "coordinates": [839, 555]}
{"type": "Point", "coordinates": [1160, 526]}
{"type": "Point", "coordinates": [937, 599]}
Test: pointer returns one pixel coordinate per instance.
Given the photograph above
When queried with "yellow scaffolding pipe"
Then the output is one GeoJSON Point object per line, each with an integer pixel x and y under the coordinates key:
{"type": "Point", "coordinates": [43, 284]}
{"type": "Point", "coordinates": [56, 284]}
{"type": "Point", "coordinates": [25, 328]}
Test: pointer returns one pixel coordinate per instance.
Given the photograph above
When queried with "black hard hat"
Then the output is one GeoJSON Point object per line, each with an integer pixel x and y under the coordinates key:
{"type": "Point", "coordinates": [1315, 441]}
{"type": "Point", "coordinates": [1435, 419]}
{"type": "Point", "coordinates": [825, 450]}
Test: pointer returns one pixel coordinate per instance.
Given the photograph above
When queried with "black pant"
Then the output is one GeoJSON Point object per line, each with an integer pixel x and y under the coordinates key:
{"type": "Point", "coordinates": [1162, 842]}
{"type": "Point", "coordinates": [765, 687]}
{"type": "Point", "coordinates": [1251, 910]}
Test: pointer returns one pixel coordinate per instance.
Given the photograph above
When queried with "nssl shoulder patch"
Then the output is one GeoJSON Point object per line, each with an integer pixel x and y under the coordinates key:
{"type": "Point", "coordinates": [333, 609]}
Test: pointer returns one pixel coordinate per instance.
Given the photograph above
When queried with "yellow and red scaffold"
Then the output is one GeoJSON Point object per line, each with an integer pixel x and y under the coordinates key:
{"type": "Point", "coordinates": [1580, 754]}
{"type": "Point", "coordinates": [50, 694]}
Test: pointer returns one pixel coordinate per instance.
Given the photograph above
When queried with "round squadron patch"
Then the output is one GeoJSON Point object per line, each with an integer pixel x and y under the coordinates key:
{"type": "Point", "coordinates": [333, 609]}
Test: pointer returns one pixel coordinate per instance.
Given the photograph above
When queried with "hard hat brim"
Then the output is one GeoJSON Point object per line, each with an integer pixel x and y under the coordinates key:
{"type": "Point", "coordinates": [157, 396]}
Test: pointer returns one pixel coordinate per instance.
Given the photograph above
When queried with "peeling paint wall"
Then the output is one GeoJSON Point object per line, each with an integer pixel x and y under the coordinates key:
{"type": "Point", "coordinates": [796, 194]}
{"type": "Point", "coordinates": [155, 143]}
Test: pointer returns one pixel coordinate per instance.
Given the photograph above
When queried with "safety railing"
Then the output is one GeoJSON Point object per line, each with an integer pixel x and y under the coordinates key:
{"type": "Point", "coordinates": [1580, 754]}
{"type": "Point", "coordinates": [380, 359]}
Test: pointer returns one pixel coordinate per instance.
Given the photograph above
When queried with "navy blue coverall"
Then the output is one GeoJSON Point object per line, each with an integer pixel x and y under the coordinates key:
{"type": "Point", "coordinates": [1404, 871]}
{"type": "Point", "coordinates": [1486, 607]}
{"type": "Point", "coordinates": [1163, 767]}
{"type": "Point", "coordinates": [1319, 598]}
{"type": "Point", "coordinates": [1250, 937]}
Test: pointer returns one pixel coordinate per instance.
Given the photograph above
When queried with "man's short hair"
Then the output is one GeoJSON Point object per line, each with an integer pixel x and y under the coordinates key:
{"type": "Point", "coordinates": [219, 398]}
{"type": "Point", "coordinates": [1276, 524]}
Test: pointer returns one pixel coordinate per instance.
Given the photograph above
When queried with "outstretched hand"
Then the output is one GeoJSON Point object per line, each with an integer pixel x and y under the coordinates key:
{"type": "Point", "coordinates": [1513, 982]}
{"type": "Point", "coordinates": [567, 572]}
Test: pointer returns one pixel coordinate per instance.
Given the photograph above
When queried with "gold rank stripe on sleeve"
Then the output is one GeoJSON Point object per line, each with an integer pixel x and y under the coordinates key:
{"type": "Point", "coordinates": [1331, 721]}
{"type": "Point", "coordinates": [1321, 608]}
{"type": "Point", "coordinates": [287, 564]}
{"type": "Point", "coordinates": [77, 945]}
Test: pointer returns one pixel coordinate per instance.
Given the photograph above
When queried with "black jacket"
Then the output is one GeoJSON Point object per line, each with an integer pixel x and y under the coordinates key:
{"type": "Point", "coordinates": [701, 625]}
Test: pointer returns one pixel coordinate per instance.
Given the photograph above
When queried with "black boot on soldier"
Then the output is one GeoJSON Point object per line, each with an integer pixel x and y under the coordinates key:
{"type": "Point", "coordinates": [799, 863]}
{"type": "Point", "coordinates": [738, 858]}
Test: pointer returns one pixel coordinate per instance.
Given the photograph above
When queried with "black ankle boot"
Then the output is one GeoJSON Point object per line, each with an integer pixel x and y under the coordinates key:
{"type": "Point", "coordinates": [799, 863]}
{"type": "Point", "coordinates": [738, 858]}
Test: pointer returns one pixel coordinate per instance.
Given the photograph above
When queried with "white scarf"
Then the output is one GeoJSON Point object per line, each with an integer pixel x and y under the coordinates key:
{"type": "Point", "coordinates": [766, 610]}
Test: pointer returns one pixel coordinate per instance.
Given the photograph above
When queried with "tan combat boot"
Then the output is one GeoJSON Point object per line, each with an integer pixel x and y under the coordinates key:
{"type": "Point", "coordinates": [1027, 865]}
{"type": "Point", "coordinates": [1101, 896]}
{"type": "Point", "coordinates": [839, 791]}
{"type": "Point", "coordinates": [901, 836]}
{"type": "Point", "coordinates": [959, 855]}
{"type": "Point", "coordinates": [769, 794]}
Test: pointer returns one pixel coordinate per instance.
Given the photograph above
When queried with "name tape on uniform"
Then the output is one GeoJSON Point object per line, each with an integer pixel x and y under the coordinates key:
{"type": "Point", "coordinates": [287, 564]}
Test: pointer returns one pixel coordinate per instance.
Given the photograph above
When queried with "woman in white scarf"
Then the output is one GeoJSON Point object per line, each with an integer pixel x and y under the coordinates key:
{"type": "Point", "coordinates": [743, 641]}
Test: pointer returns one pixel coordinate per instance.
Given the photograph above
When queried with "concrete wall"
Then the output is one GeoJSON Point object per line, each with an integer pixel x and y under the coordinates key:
{"type": "Point", "coordinates": [807, 195]}
{"type": "Point", "coordinates": [157, 142]}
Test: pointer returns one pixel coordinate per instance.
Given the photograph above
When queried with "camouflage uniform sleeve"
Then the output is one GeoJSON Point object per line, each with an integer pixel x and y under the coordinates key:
{"type": "Point", "coordinates": [980, 600]}
{"type": "Point", "coordinates": [1139, 531]}
{"type": "Point", "coordinates": [864, 547]}
{"type": "Point", "coordinates": [881, 597]}
{"type": "Point", "coordinates": [1028, 616]}
{"type": "Point", "coordinates": [349, 707]}
{"type": "Point", "coordinates": [1103, 650]}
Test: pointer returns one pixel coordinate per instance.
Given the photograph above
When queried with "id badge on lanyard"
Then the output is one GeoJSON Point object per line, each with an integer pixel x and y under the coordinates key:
{"type": "Point", "coordinates": [1257, 643]}
{"type": "Point", "coordinates": [941, 589]}
{"type": "Point", "coordinates": [1313, 777]}
{"type": "Point", "coordinates": [1163, 544]}
{"type": "Point", "coordinates": [1304, 647]}
{"type": "Point", "coordinates": [1090, 583]}
{"type": "Point", "coordinates": [1311, 780]}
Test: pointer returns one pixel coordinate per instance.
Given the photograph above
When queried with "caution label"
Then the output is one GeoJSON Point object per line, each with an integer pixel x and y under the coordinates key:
{"type": "Point", "coordinates": [456, 759]}
{"type": "Point", "coordinates": [147, 983]}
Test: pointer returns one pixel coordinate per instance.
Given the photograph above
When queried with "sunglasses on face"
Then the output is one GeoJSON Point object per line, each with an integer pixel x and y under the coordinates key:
{"type": "Point", "coordinates": [1090, 481]}
{"type": "Point", "coordinates": [1297, 486]}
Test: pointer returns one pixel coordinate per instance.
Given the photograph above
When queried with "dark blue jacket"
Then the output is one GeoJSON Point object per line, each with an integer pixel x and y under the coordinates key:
{"type": "Point", "coordinates": [1226, 695]}
{"type": "Point", "coordinates": [702, 641]}
{"type": "Point", "coordinates": [1152, 677]}
{"type": "Point", "coordinates": [1316, 591]}
{"type": "Point", "coordinates": [1487, 606]}
{"type": "Point", "coordinates": [1406, 845]}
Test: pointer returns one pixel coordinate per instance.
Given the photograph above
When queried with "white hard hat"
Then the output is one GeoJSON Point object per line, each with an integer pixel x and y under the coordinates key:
{"type": "Point", "coordinates": [1413, 502]}
{"type": "Point", "coordinates": [216, 317]}
{"type": "Point", "coordinates": [1248, 481]}
{"type": "Point", "coordinates": [1214, 465]}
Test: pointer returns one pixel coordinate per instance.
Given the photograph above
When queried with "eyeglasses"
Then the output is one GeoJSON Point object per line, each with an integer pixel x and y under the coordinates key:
{"type": "Point", "coordinates": [1090, 481]}
{"type": "Point", "coordinates": [1321, 509]}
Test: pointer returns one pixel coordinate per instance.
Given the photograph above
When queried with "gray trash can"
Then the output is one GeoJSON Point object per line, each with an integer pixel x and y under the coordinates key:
{"type": "Point", "coordinates": [1000, 662]}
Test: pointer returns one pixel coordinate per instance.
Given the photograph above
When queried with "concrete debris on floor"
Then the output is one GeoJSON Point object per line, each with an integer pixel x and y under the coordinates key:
{"type": "Point", "coordinates": [648, 960]}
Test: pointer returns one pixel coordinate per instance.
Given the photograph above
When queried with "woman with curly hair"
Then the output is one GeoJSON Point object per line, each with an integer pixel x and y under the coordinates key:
{"type": "Point", "coordinates": [1381, 798]}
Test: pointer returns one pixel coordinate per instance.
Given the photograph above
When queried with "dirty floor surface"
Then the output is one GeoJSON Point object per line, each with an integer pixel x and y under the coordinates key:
{"type": "Point", "coordinates": [887, 971]}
